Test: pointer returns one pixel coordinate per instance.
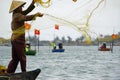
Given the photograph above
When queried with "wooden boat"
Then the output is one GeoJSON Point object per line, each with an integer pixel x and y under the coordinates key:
{"type": "Point", "coordinates": [30, 75]}
{"type": "Point", "coordinates": [31, 52]}
{"type": "Point", "coordinates": [58, 50]}
{"type": "Point", "coordinates": [104, 49]}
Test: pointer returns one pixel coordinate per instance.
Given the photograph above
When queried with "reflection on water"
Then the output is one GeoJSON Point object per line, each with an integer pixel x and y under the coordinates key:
{"type": "Point", "coordinates": [76, 63]}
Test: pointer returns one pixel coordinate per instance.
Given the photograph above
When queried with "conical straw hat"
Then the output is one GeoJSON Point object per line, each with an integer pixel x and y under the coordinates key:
{"type": "Point", "coordinates": [15, 4]}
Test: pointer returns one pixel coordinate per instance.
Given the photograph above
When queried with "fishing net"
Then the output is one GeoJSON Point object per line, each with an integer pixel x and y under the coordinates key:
{"type": "Point", "coordinates": [76, 14]}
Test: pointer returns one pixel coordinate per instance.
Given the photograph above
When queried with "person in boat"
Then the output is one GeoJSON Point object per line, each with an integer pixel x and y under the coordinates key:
{"type": "Point", "coordinates": [103, 45]}
{"type": "Point", "coordinates": [53, 44]}
{"type": "Point", "coordinates": [54, 47]}
{"type": "Point", "coordinates": [60, 45]}
{"type": "Point", "coordinates": [27, 48]}
{"type": "Point", "coordinates": [18, 33]}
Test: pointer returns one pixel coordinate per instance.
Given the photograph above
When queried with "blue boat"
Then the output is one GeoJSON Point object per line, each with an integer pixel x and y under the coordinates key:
{"type": "Point", "coordinates": [58, 50]}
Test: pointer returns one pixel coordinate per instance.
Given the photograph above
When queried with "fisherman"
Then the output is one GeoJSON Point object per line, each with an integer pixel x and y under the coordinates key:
{"type": "Point", "coordinates": [53, 44]}
{"type": "Point", "coordinates": [18, 33]}
{"type": "Point", "coordinates": [27, 48]}
{"type": "Point", "coordinates": [103, 45]}
{"type": "Point", "coordinates": [60, 46]}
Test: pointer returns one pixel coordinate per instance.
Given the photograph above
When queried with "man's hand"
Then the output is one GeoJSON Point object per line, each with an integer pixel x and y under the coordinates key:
{"type": "Point", "coordinates": [35, 1]}
{"type": "Point", "coordinates": [39, 14]}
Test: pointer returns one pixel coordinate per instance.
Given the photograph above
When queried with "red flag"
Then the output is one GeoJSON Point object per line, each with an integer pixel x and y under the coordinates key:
{"type": "Point", "coordinates": [37, 32]}
{"type": "Point", "coordinates": [56, 27]}
{"type": "Point", "coordinates": [114, 36]}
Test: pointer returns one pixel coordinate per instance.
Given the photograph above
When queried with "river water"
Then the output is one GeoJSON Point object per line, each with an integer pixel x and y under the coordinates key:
{"type": "Point", "coordinates": [76, 63]}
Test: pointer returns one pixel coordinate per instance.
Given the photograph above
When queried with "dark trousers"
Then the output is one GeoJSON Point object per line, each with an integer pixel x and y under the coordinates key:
{"type": "Point", "coordinates": [18, 55]}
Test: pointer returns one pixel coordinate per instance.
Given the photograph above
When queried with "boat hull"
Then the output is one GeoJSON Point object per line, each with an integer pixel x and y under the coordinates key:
{"type": "Point", "coordinates": [104, 49]}
{"type": "Point", "coordinates": [30, 75]}
{"type": "Point", "coordinates": [58, 50]}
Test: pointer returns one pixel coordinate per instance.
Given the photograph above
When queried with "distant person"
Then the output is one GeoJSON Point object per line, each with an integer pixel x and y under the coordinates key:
{"type": "Point", "coordinates": [103, 45]}
{"type": "Point", "coordinates": [27, 48]}
{"type": "Point", "coordinates": [60, 46]}
{"type": "Point", "coordinates": [18, 34]}
{"type": "Point", "coordinates": [53, 45]}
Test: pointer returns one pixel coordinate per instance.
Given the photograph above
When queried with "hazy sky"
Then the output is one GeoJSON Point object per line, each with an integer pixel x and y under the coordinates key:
{"type": "Point", "coordinates": [104, 20]}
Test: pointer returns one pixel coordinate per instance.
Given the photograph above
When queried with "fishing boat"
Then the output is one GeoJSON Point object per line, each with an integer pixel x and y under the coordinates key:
{"type": "Point", "coordinates": [105, 44]}
{"type": "Point", "coordinates": [104, 49]}
{"type": "Point", "coordinates": [31, 52]}
{"type": "Point", "coordinates": [28, 50]}
{"type": "Point", "coordinates": [58, 50]}
{"type": "Point", "coordinates": [30, 75]}
{"type": "Point", "coordinates": [109, 40]}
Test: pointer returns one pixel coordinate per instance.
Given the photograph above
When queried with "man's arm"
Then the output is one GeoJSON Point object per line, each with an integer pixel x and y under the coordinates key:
{"type": "Point", "coordinates": [29, 9]}
{"type": "Point", "coordinates": [33, 17]}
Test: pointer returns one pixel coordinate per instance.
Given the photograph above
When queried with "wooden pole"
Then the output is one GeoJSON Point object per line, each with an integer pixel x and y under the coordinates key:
{"type": "Point", "coordinates": [35, 42]}
{"type": "Point", "coordinates": [112, 46]}
{"type": "Point", "coordinates": [98, 42]}
{"type": "Point", "coordinates": [38, 43]}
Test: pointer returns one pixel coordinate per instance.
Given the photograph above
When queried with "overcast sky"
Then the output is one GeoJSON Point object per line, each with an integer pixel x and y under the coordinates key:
{"type": "Point", "coordinates": [104, 20]}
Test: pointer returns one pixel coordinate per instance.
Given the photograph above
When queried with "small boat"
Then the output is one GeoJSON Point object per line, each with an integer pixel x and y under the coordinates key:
{"type": "Point", "coordinates": [31, 52]}
{"type": "Point", "coordinates": [104, 49]}
{"type": "Point", "coordinates": [58, 50]}
{"type": "Point", "coordinates": [28, 50]}
{"type": "Point", "coordinates": [30, 75]}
